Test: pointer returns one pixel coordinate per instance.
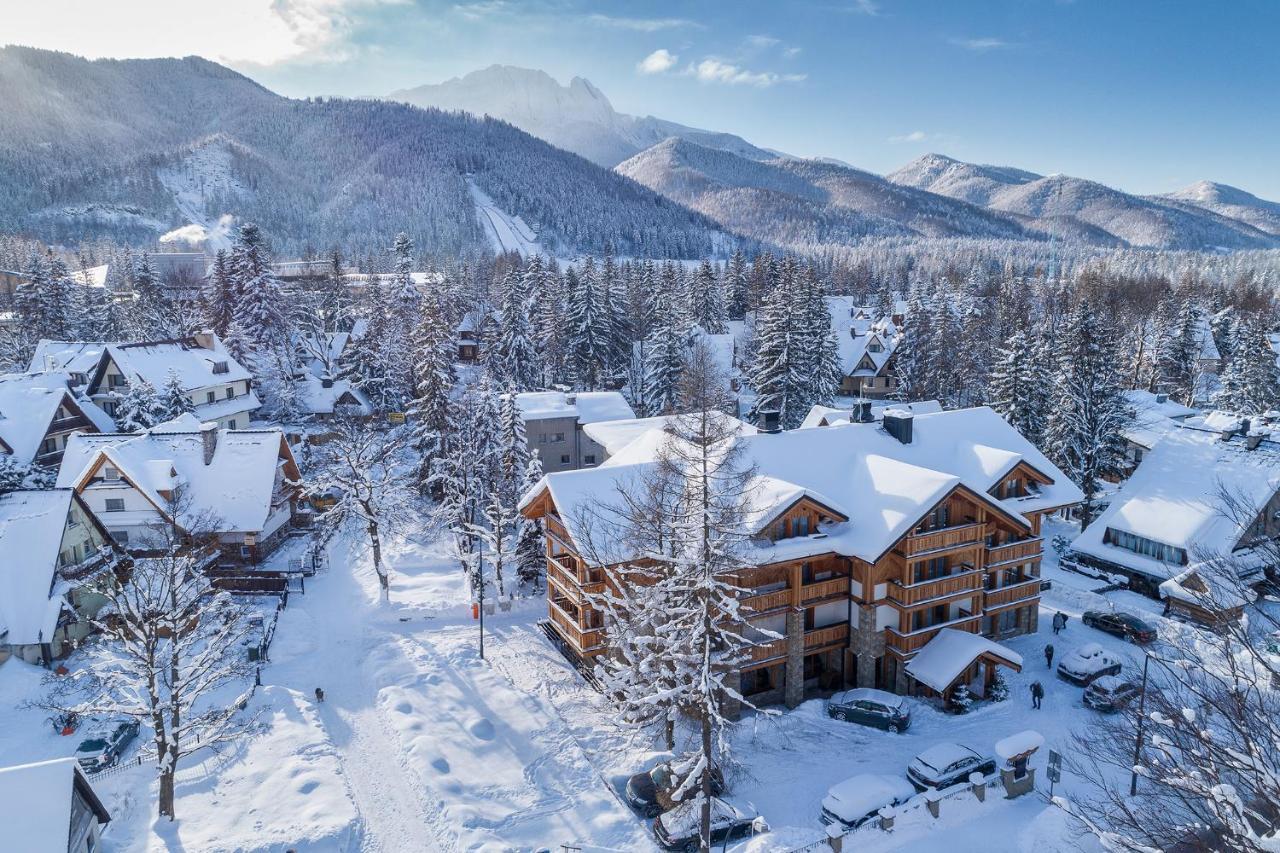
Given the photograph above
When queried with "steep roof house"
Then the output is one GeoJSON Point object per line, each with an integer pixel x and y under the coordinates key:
{"type": "Point", "coordinates": [53, 546]}
{"type": "Point", "coordinates": [39, 414]}
{"type": "Point", "coordinates": [866, 346]}
{"type": "Point", "coordinates": [235, 487]}
{"type": "Point", "coordinates": [50, 807]}
{"type": "Point", "coordinates": [555, 423]}
{"type": "Point", "coordinates": [1154, 417]}
{"type": "Point", "coordinates": [867, 540]}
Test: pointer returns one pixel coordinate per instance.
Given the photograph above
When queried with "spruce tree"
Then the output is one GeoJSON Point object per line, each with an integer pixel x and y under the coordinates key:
{"type": "Point", "coordinates": [663, 356]}
{"type": "Point", "coordinates": [218, 296]}
{"type": "Point", "coordinates": [138, 408]}
{"type": "Point", "coordinates": [1178, 353]}
{"type": "Point", "coordinates": [434, 377]}
{"type": "Point", "coordinates": [735, 286]}
{"type": "Point", "coordinates": [707, 306]}
{"type": "Point", "coordinates": [173, 400]}
{"type": "Point", "coordinates": [1020, 384]}
{"type": "Point", "coordinates": [772, 369]}
{"type": "Point", "coordinates": [1249, 384]}
{"type": "Point", "coordinates": [589, 332]}
{"type": "Point", "coordinates": [514, 360]}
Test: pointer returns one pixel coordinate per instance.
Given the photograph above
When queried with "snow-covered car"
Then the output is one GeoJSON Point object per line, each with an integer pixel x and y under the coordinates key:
{"type": "Point", "coordinates": [871, 707]}
{"type": "Point", "coordinates": [1126, 626]}
{"type": "Point", "coordinates": [103, 746]}
{"type": "Point", "coordinates": [855, 801]}
{"type": "Point", "coordinates": [649, 793]}
{"type": "Point", "coordinates": [678, 828]}
{"type": "Point", "coordinates": [946, 764]}
{"type": "Point", "coordinates": [1110, 693]}
{"type": "Point", "coordinates": [1089, 662]}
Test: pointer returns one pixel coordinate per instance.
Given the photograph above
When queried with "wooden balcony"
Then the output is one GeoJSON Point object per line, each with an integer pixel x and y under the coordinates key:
{"type": "Point", "coordinates": [830, 588]}
{"type": "Point", "coordinates": [1009, 552]}
{"type": "Point", "coordinates": [941, 540]}
{"type": "Point", "coordinates": [767, 601]}
{"type": "Point", "coordinates": [937, 590]}
{"type": "Point", "coordinates": [1022, 591]}
{"type": "Point", "coordinates": [913, 641]}
{"type": "Point", "coordinates": [771, 650]}
{"type": "Point", "coordinates": [829, 636]}
{"type": "Point", "coordinates": [552, 524]}
{"type": "Point", "coordinates": [585, 640]}
{"type": "Point", "coordinates": [571, 572]}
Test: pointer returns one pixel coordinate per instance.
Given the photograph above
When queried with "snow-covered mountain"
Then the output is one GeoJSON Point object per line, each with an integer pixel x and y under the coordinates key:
{"type": "Point", "coordinates": [1230, 201]}
{"type": "Point", "coordinates": [1074, 208]}
{"type": "Point", "coordinates": [137, 148]}
{"type": "Point", "coordinates": [804, 204]}
{"type": "Point", "coordinates": [576, 117]}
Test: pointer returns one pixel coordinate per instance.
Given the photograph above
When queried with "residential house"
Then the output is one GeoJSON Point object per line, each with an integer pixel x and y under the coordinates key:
{"type": "Point", "coordinates": [77, 359]}
{"type": "Point", "coordinates": [50, 807]}
{"type": "Point", "coordinates": [53, 547]}
{"type": "Point", "coordinates": [866, 347]}
{"type": "Point", "coordinates": [867, 541]}
{"type": "Point", "coordinates": [1154, 417]}
{"type": "Point", "coordinates": [38, 416]}
{"type": "Point", "coordinates": [1205, 595]}
{"type": "Point", "coordinates": [321, 393]}
{"type": "Point", "coordinates": [555, 422]}
{"type": "Point", "coordinates": [1197, 496]}
{"type": "Point", "coordinates": [237, 489]}
{"type": "Point", "coordinates": [473, 333]}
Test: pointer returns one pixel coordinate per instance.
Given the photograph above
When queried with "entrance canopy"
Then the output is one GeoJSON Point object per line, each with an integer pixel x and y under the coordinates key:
{"type": "Point", "coordinates": [946, 657]}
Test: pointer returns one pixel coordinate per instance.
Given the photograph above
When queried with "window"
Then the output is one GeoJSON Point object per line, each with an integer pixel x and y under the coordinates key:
{"type": "Point", "coordinates": [121, 536]}
{"type": "Point", "coordinates": [210, 396]}
{"type": "Point", "coordinates": [245, 550]}
{"type": "Point", "coordinates": [116, 381]}
{"type": "Point", "coordinates": [232, 424]}
{"type": "Point", "coordinates": [231, 392]}
{"type": "Point", "coordinates": [115, 504]}
{"type": "Point", "coordinates": [589, 459]}
{"type": "Point", "coordinates": [931, 569]}
{"type": "Point", "coordinates": [559, 437]}
{"type": "Point", "coordinates": [110, 473]}
{"type": "Point", "coordinates": [542, 439]}
{"type": "Point", "coordinates": [564, 458]}
{"type": "Point", "coordinates": [800, 526]}
{"type": "Point", "coordinates": [49, 445]}
{"type": "Point", "coordinates": [1146, 547]}
{"type": "Point", "coordinates": [875, 346]}
{"type": "Point", "coordinates": [109, 406]}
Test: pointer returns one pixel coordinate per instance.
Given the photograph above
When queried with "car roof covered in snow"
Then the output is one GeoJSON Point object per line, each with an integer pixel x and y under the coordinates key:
{"type": "Point", "coordinates": [31, 528]}
{"type": "Point", "coordinates": [940, 756]}
{"type": "Point", "coordinates": [870, 694]}
{"type": "Point", "coordinates": [682, 821]}
{"type": "Point", "coordinates": [35, 804]}
{"type": "Point", "coordinates": [1106, 684]}
{"type": "Point", "coordinates": [867, 792]}
{"type": "Point", "coordinates": [950, 653]}
{"type": "Point", "coordinates": [879, 484]}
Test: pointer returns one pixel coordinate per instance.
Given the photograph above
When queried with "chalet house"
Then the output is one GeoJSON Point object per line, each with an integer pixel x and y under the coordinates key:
{"type": "Point", "coordinates": [233, 487]}
{"type": "Point", "coordinates": [473, 332]}
{"type": "Point", "coordinates": [321, 393]}
{"type": "Point", "coordinates": [50, 807]}
{"type": "Point", "coordinates": [77, 359]}
{"type": "Point", "coordinates": [866, 347]}
{"type": "Point", "coordinates": [219, 387]}
{"type": "Point", "coordinates": [53, 546]}
{"type": "Point", "coordinates": [1154, 417]}
{"type": "Point", "coordinates": [555, 423]}
{"type": "Point", "coordinates": [38, 416]}
{"type": "Point", "coordinates": [1205, 595]}
{"type": "Point", "coordinates": [1171, 515]}
{"type": "Point", "coordinates": [867, 542]}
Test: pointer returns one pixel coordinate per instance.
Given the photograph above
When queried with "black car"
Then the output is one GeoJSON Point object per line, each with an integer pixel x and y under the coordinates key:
{"type": "Point", "coordinates": [678, 828]}
{"type": "Point", "coordinates": [103, 747]}
{"type": "Point", "coordinates": [1110, 693]}
{"type": "Point", "coordinates": [1121, 625]}
{"type": "Point", "coordinates": [649, 793]}
{"type": "Point", "coordinates": [947, 764]}
{"type": "Point", "coordinates": [871, 707]}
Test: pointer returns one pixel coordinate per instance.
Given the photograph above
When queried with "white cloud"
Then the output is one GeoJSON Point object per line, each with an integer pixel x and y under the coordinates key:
{"type": "Point", "coordinates": [261, 32]}
{"type": "Point", "coordinates": [913, 136]}
{"type": "Point", "coordinates": [866, 7]}
{"type": "Point", "coordinates": [657, 62]}
{"type": "Point", "coordinates": [642, 25]}
{"type": "Point", "coordinates": [791, 53]}
{"type": "Point", "coordinates": [712, 70]}
{"type": "Point", "coordinates": [980, 45]}
{"type": "Point", "coordinates": [761, 42]}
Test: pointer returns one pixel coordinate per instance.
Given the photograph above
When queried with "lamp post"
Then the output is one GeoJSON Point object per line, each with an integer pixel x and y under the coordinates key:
{"type": "Point", "coordinates": [480, 554]}
{"type": "Point", "coordinates": [1142, 713]}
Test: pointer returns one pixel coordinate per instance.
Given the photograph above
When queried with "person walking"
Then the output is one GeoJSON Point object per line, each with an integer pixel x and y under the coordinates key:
{"type": "Point", "coordinates": [319, 695]}
{"type": "Point", "coordinates": [1037, 693]}
{"type": "Point", "coordinates": [1048, 656]}
{"type": "Point", "coordinates": [1059, 622]}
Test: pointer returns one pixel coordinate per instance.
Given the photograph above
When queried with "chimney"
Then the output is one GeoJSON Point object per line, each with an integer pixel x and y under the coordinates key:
{"type": "Point", "coordinates": [326, 381]}
{"type": "Point", "coordinates": [770, 422]}
{"type": "Point", "coordinates": [1162, 398]}
{"type": "Point", "coordinates": [203, 339]}
{"type": "Point", "coordinates": [209, 438]}
{"type": "Point", "coordinates": [1245, 426]}
{"type": "Point", "coordinates": [897, 422]}
{"type": "Point", "coordinates": [1252, 441]}
{"type": "Point", "coordinates": [864, 412]}
{"type": "Point", "coordinates": [570, 399]}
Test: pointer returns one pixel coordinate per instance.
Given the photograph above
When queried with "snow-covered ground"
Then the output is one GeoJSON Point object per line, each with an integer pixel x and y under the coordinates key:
{"type": "Point", "coordinates": [506, 232]}
{"type": "Point", "coordinates": [420, 745]}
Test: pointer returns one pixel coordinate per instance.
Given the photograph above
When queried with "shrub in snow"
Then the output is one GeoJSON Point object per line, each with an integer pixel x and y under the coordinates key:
{"type": "Point", "coordinates": [961, 700]}
{"type": "Point", "coordinates": [999, 688]}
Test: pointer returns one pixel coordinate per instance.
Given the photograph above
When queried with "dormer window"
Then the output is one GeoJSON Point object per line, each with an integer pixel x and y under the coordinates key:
{"type": "Point", "coordinates": [221, 367]}
{"type": "Point", "coordinates": [875, 346]}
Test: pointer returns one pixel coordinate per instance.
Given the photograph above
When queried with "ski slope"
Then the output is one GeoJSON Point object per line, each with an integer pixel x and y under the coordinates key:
{"type": "Point", "coordinates": [506, 233]}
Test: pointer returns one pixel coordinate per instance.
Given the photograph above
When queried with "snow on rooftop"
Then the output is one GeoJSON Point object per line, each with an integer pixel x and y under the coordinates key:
{"type": "Point", "coordinates": [1019, 743]}
{"type": "Point", "coordinates": [587, 406]}
{"type": "Point", "coordinates": [71, 356]}
{"type": "Point", "coordinates": [35, 805]}
{"type": "Point", "coordinates": [828, 415]}
{"type": "Point", "coordinates": [31, 527]}
{"type": "Point", "coordinates": [615, 435]}
{"type": "Point", "coordinates": [28, 404]}
{"type": "Point", "coordinates": [1154, 418]}
{"type": "Point", "coordinates": [194, 365]}
{"type": "Point", "coordinates": [950, 653]}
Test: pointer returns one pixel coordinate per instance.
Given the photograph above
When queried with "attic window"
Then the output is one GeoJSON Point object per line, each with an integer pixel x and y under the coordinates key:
{"type": "Point", "coordinates": [110, 473]}
{"type": "Point", "coordinates": [875, 346]}
{"type": "Point", "coordinates": [221, 367]}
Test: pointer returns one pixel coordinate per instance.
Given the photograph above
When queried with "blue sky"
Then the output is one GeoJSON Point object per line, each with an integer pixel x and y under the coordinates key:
{"type": "Point", "coordinates": [1143, 95]}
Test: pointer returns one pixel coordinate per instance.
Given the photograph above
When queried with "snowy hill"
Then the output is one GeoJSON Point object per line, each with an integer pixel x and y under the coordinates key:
{"type": "Point", "coordinates": [803, 204]}
{"type": "Point", "coordinates": [1230, 201]}
{"type": "Point", "coordinates": [576, 117]}
{"type": "Point", "coordinates": [1075, 208]}
{"type": "Point", "coordinates": [138, 148]}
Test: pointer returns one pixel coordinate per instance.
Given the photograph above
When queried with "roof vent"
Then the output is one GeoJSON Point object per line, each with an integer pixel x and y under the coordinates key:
{"type": "Point", "coordinates": [898, 423]}
{"type": "Point", "coordinates": [221, 367]}
{"type": "Point", "coordinates": [326, 381]}
{"type": "Point", "coordinates": [770, 422]}
{"type": "Point", "coordinates": [571, 399]}
{"type": "Point", "coordinates": [209, 438]}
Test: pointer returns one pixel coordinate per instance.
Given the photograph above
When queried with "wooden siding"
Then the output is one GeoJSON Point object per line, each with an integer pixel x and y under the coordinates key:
{"type": "Point", "coordinates": [1015, 593]}
{"type": "Point", "coordinates": [927, 592]}
{"type": "Point", "coordinates": [909, 642]}
{"type": "Point", "coordinates": [1026, 549]}
{"type": "Point", "coordinates": [939, 540]}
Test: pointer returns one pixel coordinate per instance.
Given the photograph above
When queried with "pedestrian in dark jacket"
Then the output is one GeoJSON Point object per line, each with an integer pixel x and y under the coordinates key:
{"type": "Point", "coordinates": [1059, 621]}
{"type": "Point", "coordinates": [1048, 655]}
{"type": "Point", "coordinates": [319, 695]}
{"type": "Point", "coordinates": [1037, 693]}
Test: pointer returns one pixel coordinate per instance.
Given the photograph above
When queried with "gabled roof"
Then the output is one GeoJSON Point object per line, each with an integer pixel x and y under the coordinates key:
{"type": "Point", "coordinates": [315, 399]}
{"type": "Point", "coordinates": [1154, 418]}
{"type": "Point", "coordinates": [615, 435]}
{"type": "Point", "coordinates": [35, 804]}
{"type": "Point", "coordinates": [882, 486]}
{"type": "Point", "coordinates": [28, 405]}
{"type": "Point", "coordinates": [194, 364]}
{"type": "Point", "coordinates": [1174, 498]}
{"type": "Point", "coordinates": [235, 488]}
{"type": "Point", "coordinates": [70, 356]}
{"type": "Point", "coordinates": [854, 333]}
{"type": "Point", "coordinates": [951, 652]}
{"type": "Point", "coordinates": [31, 528]}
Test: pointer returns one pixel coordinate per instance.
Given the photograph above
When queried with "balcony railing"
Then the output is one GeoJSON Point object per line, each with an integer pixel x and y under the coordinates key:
{"type": "Point", "coordinates": [766, 601]}
{"type": "Point", "coordinates": [913, 641]}
{"type": "Point", "coordinates": [768, 651]}
{"type": "Point", "coordinates": [1010, 551]}
{"type": "Point", "coordinates": [947, 537]}
{"type": "Point", "coordinates": [564, 581]}
{"type": "Point", "coordinates": [68, 423]}
{"type": "Point", "coordinates": [585, 640]}
{"type": "Point", "coordinates": [831, 635]}
{"type": "Point", "coordinates": [929, 591]}
{"type": "Point", "coordinates": [831, 588]}
{"type": "Point", "coordinates": [1020, 591]}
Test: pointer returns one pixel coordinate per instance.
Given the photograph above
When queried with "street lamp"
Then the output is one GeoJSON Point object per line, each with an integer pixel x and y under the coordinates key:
{"type": "Point", "coordinates": [480, 574]}
{"type": "Point", "coordinates": [1142, 709]}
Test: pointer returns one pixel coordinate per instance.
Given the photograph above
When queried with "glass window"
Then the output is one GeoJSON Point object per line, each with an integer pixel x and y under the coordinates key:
{"type": "Point", "coordinates": [801, 525]}
{"type": "Point", "coordinates": [115, 504]}
{"type": "Point", "coordinates": [210, 396]}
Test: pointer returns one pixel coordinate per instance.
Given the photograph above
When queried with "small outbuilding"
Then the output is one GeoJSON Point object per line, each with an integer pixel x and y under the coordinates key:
{"type": "Point", "coordinates": [50, 807]}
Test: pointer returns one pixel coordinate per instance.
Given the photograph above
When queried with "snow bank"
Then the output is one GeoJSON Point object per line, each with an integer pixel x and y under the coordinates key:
{"type": "Point", "coordinates": [1018, 744]}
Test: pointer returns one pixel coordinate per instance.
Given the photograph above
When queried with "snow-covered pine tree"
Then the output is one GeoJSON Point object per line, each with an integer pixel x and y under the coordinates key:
{"type": "Point", "coordinates": [708, 306]}
{"type": "Point", "coordinates": [394, 346]}
{"type": "Point", "coordinates": [218, 296]}
{"type": "Point", "coordinates": [819, 369]}
{"type": "Point", "coordinates": [589, 334]}
{"type": "Point", "coordinates": [500, 528]}
{"type": "Point", "coordinates": [663, 355]}
{"type": "Point", "coordinates": [735, 286]}
{"type": "Point", "coordinates": [173, 400]}
{"type": "Point", "coordinates": [336, 305]}
{"type": "Point", "coordinates": [12, 475]}
{"type": "Point", "coordinates": [1178, 353]}
{"type": "Point", "coordinates": [513, 361]}
{"type": "Point", "coordinates": [548, 316]}
{"type": "Point", "coordinates": [1083, 430]}
{"type": "Point", "coordinates": [911, 359]}
{"type": "Point", "coordinates": [467, 470]}
{"type": "Point", "coordinates": [617, 320]}
{"type": "Point", "coordinates": [431, 413]}
{"type": "Point", "coordinates": [773, 365]}
{"type": "Point", "coordinates": [1249, 384]}
{"type": "Point", "coordinates": [531, 559]}
{"type": "Point", "coordinates": [1020, 387]}
{"type": "Point", "coordinates": [153, 312]}
{"type": "Point", "coordinates": [943, 346]}
{"type": "Point", "coordinates": [138, 408]}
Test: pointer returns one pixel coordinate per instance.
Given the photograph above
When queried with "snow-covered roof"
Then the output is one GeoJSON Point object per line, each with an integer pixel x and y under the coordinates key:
{"type": "Point", "coordinates": [35, 804]}
{"type": "Point", "coordinates": [879, 484]}
{"type": "Point", "coordinates": [1019, 743]}
{"type": "Point", "coordinates": [28, 404]}
{"type": "Point", "coordinates": [92, 276]}
{"type": "Point", "coordinates": [1174, 498]}
{"type": "Point", "coordinates": [613, 436]}
{"type": "Point", "coordinates": [854, 332]}
{"type": "Point", "coordinates": [950, 653]}
{"type": "Point", "coordinates": [31, 528]}
{"type": "Point", "coordinates": [1205, 585]}
{"type": "Point", "coordinates": [827, 415]}
{"type": "Point", "coordinates": [314, 398]}
{"type": "Point", "coordinates": [233, 491]}
{"type": "Point", "coordinates": [194, 364]}
{"type": "Point", "coordinates": [1155, 416]}
{"type": "Point", "coordinates": [587, 406]}
{"type": "Point", "coordinates": [72, 356]}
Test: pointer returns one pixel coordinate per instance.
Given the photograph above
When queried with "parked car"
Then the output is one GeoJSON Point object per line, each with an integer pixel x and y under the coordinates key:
{"type": "Point", "coordinates": [946, 764]}
{"type": "Point", "coordinates": [104, 745]}
{"type": "Point", "coordinates": [1110, 693]}
{"type": "Point", "coordinates": [855, 801]}
{"type": "Point", "coordinates": [649, 793]}
{"type": "Point", "coordinates": [678, 828]}
{"type": "Point", "coordinates": [1087, 663]}
{"type": "Point", "coordinates": [871, 707]}
{"type": "Point", "coordinates": [1123, 625]}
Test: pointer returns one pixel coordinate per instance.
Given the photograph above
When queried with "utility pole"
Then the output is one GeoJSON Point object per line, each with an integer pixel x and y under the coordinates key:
{"type": "Point", "coordinates": [480, 552]}
{"type": "Point", "coordinates": [1142, 708]}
